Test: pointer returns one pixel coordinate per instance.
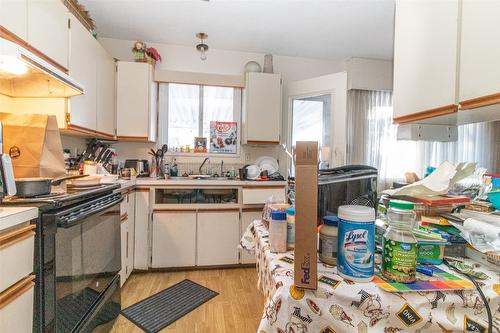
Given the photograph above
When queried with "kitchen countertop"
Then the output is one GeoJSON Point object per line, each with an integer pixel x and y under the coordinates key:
{"type": "Point", "coordinates": [209, 182]}
{"type": "Point", "coordinates": [12, 216]}
{"type": "Point", "coordinates": [197, 182]}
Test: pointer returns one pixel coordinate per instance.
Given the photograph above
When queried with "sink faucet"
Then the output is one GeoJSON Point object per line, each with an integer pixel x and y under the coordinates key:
{"type": "Point", "coordinates": [202, 164]}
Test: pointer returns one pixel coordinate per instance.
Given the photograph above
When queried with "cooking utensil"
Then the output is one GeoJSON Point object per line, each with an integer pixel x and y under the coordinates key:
{"type": "Point", "coordinates": [101, 153]}
{"type": "Point", "coordinates": [93, 152]}
{"type": "Point", "coordinates": [107, 157]}
{"type": "Point", "coordinates": [87, 150]}
{"type": "Point", "coordinates": [32, 187]}
{"type": "Point", "coordinates": [164, 148]}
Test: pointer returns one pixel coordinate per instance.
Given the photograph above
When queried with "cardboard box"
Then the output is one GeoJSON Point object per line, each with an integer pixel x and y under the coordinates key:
{"type": "Point", "coordinates": [306, 206]}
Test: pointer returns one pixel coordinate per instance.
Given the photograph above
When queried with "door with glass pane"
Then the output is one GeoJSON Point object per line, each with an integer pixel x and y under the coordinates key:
{"type": "Point", "coordinates": [317, 112]}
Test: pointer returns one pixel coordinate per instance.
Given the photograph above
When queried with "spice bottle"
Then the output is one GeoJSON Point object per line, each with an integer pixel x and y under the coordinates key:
{"type": "Point", "coordinates": [277, 231]}
{"type": "Point", "coordinates": [399, 255]}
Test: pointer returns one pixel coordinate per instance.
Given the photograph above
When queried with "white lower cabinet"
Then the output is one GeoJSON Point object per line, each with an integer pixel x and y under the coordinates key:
{"type": "Point", "coordinates": [174, 239]}
{"type": "Point", "coordinates": [16, 307]}
{"type": "Point", "coordinates": [142, 216]}
{"type": "Point", "coordinates": [218, 237]}
{"type": "Point", "coordinates": [247, 217]}
{"type": "Point", "coordinates": [127, 226]}
{"type": "Point", "coordinates": [123, 236]}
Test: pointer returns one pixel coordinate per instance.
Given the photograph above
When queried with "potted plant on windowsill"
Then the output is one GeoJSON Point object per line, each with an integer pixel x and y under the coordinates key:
{"type": "Point", "coordinates": [145, 54]}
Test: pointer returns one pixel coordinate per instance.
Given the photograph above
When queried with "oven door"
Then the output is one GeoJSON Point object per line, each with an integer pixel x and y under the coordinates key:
{"type": "Point", "coordinates": [87, 257]}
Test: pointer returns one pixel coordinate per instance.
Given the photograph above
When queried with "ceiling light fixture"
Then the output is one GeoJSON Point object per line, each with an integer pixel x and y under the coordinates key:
{"type": "Point", "coordinates": [202, 47]}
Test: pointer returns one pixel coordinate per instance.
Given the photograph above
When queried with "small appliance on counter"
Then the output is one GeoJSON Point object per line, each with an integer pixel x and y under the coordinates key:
{"type": "Point", "coordinates": [346, 185]}
{"type": "Point", "coordinates": [141, 167]}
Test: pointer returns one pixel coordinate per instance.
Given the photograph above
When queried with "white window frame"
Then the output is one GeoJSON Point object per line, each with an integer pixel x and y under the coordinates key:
{"type": "Point", "coordinates": [163, 118]}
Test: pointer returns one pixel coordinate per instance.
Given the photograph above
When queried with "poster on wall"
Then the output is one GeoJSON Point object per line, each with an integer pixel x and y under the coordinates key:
{"type": "Point", "coordinates": [223, 137]}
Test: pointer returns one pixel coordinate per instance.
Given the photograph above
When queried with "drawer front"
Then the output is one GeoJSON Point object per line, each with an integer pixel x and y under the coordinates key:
{"type": "Point", "coordinates": [16, 307]}
{"type": "Point", "coordinates": [253, 196]}
{"type": "Point", "coordinates": [16, 255]}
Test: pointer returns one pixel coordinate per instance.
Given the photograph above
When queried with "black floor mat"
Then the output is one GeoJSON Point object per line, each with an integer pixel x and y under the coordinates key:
{"type": "Point", "coordinates": [162, 309]}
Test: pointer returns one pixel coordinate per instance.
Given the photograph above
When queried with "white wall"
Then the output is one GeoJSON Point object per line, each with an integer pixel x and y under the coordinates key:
{"type": "Point", "coordinates": [369, 74]}
{"type": "Point", "coordinates": [187, 59]}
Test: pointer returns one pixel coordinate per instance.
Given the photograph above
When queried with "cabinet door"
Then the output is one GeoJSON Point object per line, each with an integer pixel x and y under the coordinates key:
{"type": "Point", "coordinates": [83, 68]}
{"type": "Point", "coordinates": [262, 108]}
{"type": "Point", "coordinates": [141, 231]}
{"type": "Point", "coordinates": [480, 49]}
{"type": "Point", "coordinates": [218, 238]}
{"type": "Point", "coordinates": [14, 17]}
{"type": "Point", "coordinates": [131, 232]}
{"type": "Point", "coordinates": [425, 56]}
{"type": "Point", "coordinates": [48, 29]}
{"type": "Point", "coordinates": [105, 92]}
{"type": "Point", "coordinates": [133, 88]}
{"type": "Point", "coordinates": [123, 237]}
{"type": "Point", "coordinates": [247, 217]}
{"type": "Point", "coordinates": [174, 239]}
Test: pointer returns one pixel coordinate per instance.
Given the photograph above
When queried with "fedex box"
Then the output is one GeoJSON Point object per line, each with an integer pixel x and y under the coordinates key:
{"type": "Point", "coordinates": [306, 205]}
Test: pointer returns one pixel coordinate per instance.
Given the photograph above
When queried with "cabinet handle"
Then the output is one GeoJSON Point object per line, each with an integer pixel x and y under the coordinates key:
{"type": "Point", "coordinates": [17, 235]}
{"type": "Point", "coordinates": [9, 295]}
{"type": "Point", "coordinates": [123, 217]}
{"type": "Point", "coordinates": [126, 243]}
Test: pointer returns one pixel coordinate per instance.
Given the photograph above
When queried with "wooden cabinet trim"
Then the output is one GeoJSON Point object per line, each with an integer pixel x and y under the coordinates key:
{"type": "Point", "coordinates": [141, 189]}
{"type": "Point", "coordinates": [258, 142]}
{"type": "Point", "coordinates": [105, 135]}
{"type": "Point", "coordinates": [17, 235]}
{"type": "Point", "coordinates": [478, 102]}
{"type": "Point", "coordinates": [217, 210]}
{"type": "Point", "coordinates": [6, 34]}
{"type": "Point", "coordinates": [173, 211]}
{"type": "Point", "coordinates": [15, 291]}
{"type": "Point", "coordinates": [133, 138]}
{"type": "Point", "coordinates": [253, 210]}
{"type": "Point", "coordinates": [266, 187]}
{"type": "Point", "coordinates": [441, 111]}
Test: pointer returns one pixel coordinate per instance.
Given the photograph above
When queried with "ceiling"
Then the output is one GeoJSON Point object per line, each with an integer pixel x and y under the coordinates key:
{"type": "Point", "coordinates": [324, 29]}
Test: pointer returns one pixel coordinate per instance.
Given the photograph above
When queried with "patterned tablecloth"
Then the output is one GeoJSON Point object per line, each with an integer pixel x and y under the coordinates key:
{"type": "Point", "coordinates": [339, 305]}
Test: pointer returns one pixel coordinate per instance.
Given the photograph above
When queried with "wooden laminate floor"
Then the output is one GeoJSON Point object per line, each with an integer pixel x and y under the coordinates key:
{"type": "Point", "coordinates": [237, 308]}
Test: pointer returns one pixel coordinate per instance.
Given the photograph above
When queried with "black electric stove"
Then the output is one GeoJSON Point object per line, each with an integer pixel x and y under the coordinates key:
{"type": "Point", "coordinates": [77, 259]}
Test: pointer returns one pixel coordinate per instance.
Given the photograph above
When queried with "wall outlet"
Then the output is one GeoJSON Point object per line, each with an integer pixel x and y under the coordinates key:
{"type": "Point", "coordinates": [247, 157]}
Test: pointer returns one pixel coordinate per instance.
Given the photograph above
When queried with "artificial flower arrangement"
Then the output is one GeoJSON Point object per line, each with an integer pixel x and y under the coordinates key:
{"type": "Point", "coordinates": [145, 54]}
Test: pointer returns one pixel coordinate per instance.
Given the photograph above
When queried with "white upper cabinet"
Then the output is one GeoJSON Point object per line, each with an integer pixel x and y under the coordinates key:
{"type": "Point", "coordinates": [480, 50]}
{"type": "Point", "coordinates": [83, 68]}
{"type": "Point", "coordinates": [105, 92]}
{"type": "Point", "coordinates": [136, 101]}
{"type": "Point", "coordinates": [261, 108]}
{"type": "Point", "coordinates": [425, 58]}
{"type": "Point", "coordinates": [13, 17]}
{"type": "Point", "coordinates": [48, 29]}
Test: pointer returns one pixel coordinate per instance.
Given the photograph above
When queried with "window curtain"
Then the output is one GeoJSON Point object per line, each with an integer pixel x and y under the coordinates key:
{"type": "Point", "coordinates": [372, 141]}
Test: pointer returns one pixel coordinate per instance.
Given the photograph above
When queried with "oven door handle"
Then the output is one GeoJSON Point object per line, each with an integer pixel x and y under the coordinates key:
{"type": "Point", "coordinates": [76, 219]}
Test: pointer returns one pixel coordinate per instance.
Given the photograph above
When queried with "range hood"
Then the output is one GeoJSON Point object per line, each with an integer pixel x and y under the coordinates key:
{"type": "Point", "coordinates": [23, 74]}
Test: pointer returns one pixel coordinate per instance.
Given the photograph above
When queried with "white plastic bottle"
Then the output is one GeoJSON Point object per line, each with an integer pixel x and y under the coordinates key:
{"type": "Point", "coordinates": [277, 231]}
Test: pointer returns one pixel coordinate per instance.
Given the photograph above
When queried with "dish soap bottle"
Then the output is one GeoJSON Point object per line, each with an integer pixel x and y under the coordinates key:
{"type": "Point", "coordinates": [399, 255]}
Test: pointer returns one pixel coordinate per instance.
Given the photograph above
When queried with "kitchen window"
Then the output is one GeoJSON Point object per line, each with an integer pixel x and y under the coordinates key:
{"type": "Point", "coordinates": [186, 111]}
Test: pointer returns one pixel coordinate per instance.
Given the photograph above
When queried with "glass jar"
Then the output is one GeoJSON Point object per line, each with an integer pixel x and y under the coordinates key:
{"type": "Point", "coordinates": [399, 255]}
{"type": "Point", "coordinates": [328, 240]}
